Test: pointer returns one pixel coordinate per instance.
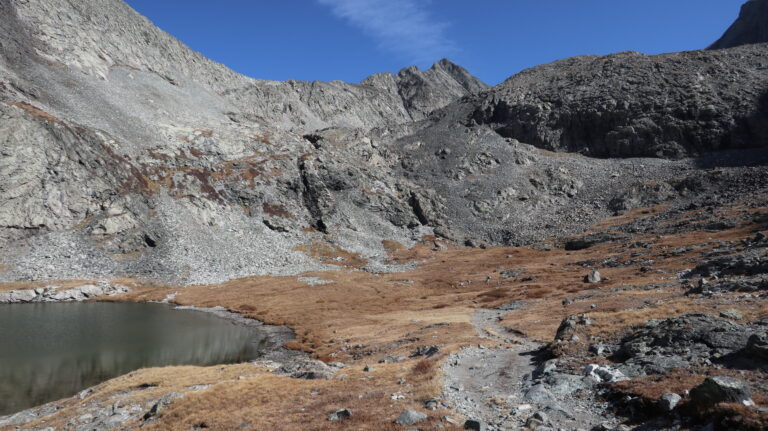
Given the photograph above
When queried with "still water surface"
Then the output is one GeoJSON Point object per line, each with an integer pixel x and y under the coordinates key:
{"type": "Point", "coordinates": [52, 351]}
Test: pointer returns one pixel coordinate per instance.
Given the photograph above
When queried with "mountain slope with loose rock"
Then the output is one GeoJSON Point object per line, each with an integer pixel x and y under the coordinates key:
{"type": "Point", "coordinates": [147, 149]}
{"type": "Point", "coordinates": [139, 145]}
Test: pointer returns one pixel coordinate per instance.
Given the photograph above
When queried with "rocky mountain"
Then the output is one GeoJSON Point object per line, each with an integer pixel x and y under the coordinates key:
{"type": "Point", "coordinates": [379, 100]}
{"type": "Point", "coordinates": [750, 27]}
{"type": "Point", "coordinates": [423, 92]}
{"type": "Point", "coordinates": [119, 139]}
{"type": "Point", "coordinates": [630, 104]}
{"type": "Point", "coordinates": [558, 147]}
{"type": "Point", "coordinates": [126, 153]}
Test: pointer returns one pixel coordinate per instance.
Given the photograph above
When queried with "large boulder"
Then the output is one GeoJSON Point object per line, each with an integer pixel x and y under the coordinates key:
{"type": "Point", "coordinates": [669, 401]}
{"type": "Point", "coordinates": [410, 417]}
{"type": "Point", "coordinates": [306, 369]}
{"type": "Point", "coordinates": [721, 389]}
{"type": "Point", "coordinates": [593, 277]}
{"type": "Point", "coordinates": [757, 346]}
{"type": "Point", "coordinates": [570, 326]}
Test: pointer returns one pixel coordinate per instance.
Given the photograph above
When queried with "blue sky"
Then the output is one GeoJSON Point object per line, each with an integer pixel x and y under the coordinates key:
{"type": "Point", "coordinates": [351, 39]}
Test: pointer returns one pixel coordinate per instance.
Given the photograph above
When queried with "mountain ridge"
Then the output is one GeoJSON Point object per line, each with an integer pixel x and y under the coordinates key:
{"type": "Point", "coordinates": [111, 34]}
{"type": "Point", "coordinates": [120, 141]}
{"type": "Point", "coordinates": [750, 27]}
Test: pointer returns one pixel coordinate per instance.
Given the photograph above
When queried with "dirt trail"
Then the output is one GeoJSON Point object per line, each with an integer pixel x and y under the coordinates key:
{"type": "Point", "coordinates": [497, 386]}
{"type": "Point", "coordinates": [482, 383]}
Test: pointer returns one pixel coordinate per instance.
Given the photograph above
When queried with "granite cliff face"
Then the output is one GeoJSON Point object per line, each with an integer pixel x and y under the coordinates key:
{"type": "Point", "coordinates": [126, 153]}
{"type": "Point", "coordinates": [750, 27]}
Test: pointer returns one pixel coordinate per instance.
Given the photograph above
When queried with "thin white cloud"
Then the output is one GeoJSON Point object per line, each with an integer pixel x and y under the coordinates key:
{"type": "Point", "coordinates": [401, 26]}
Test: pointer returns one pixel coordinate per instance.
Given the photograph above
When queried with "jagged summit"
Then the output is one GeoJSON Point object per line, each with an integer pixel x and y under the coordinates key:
{"type": "Point", "coordinates": [457, 73]}
{"type": "Point", "coordinates": [750, 27]}
{"type": "Point", "coordinates": [382, 99]}
{"type": "Point", "coordinates": [470, 82]}
{"type": "Point", "coordinates": [425, 91]}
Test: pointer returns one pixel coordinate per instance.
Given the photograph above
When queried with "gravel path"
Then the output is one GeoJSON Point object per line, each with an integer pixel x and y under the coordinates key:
{"type": "Point", "coordinates": [500, 387]}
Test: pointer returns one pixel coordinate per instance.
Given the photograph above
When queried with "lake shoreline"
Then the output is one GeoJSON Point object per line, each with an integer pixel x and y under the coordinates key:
{"type": "Point", "coordinates": [277, 335]}
{"type": "Point", "coordinates": [270, 340]}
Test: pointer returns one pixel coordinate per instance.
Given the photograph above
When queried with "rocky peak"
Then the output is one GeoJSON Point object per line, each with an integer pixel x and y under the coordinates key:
{"type": "Point", "coordinates": [425, 91]}
{"type": "Point", "coordinates": [461, 75]}
{"type": "Point", "coordinates": [422, 92]}
{"type": "Point", "coordinates": [750, 27]}
{"type": "Point", "coordinates": [444, 72]}
{"type": "Point", "coordinates": [118, 139]}
{"type": "Point", "coordinates": [408, 71]}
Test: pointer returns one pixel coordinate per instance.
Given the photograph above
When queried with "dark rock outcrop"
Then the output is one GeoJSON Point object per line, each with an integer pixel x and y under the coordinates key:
{"type": "Point", "coordinates": [694, 339]}
{"type": "Point", "coordinates": [721, 389]}
{"type": "Point", "coordinates": [685, 334]}
{"type": "Point", "coordinates": [630, 104]}
{"type": "Point", "coordinates": [750, 27]}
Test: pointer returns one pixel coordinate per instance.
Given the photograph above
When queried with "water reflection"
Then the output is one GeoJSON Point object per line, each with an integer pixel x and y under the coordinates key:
{"type": "Point", "coordinates": [51, 351]}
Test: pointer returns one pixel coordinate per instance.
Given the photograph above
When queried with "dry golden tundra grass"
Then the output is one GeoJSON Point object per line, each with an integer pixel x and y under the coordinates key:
{"type": "Point", "coordinates": [361, 317]}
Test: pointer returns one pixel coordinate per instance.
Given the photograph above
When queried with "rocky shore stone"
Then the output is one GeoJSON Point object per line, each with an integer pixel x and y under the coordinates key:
{"type": "Point", "coordinates": [54, 294]}
{"type": "Point", "coordinates": [306, 369]}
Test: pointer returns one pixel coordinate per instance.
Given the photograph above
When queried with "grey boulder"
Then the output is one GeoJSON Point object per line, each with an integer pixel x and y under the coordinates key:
{"type": "Point", "coordinates": [593, 277]}
{"type": "Point", "coordinates": [410, 417]}
{"type": "Point", "coordinates": [757, 346]}
{"type": "Point", "coordinates": [339, 415]}
{"type": "Point", "coordinates": [669, 401]}
{"type": "Point", "coordinates": [720, 389]}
